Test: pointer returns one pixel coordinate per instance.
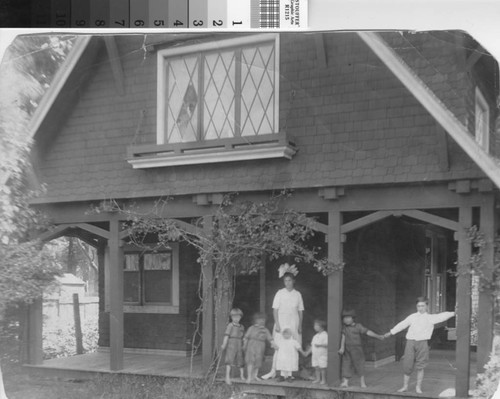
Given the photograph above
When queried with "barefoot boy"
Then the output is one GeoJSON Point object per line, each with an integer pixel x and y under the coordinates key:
{"type": "Point", "coordinates": [420, 326]}
{"type": "Point", "coordinates": [351, 348]}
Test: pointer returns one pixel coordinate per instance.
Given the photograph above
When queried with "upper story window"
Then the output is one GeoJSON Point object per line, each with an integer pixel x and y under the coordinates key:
{"type": "Point", "coordinates": [217, 102]}
{"type": "Point", "coordinates": [482, 121]}
{"type": "Point", "coordinates": [216, 90]}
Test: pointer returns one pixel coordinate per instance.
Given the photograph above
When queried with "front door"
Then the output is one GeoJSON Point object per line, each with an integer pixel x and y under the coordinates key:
{"type": "Point", "coordinates": [435, 270]}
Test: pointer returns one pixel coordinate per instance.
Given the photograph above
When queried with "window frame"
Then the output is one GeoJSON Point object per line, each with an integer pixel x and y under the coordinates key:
{"type": "Point", "coordinates": [482, 137]}
{"type": "Point", "coordinates": [150, 307]}
{"type": "Point", "coordinates": [207, 47]}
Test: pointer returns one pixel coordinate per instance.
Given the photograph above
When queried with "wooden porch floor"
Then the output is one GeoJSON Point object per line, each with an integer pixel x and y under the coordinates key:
{"type": "Point", "coordinates": [383, 381]}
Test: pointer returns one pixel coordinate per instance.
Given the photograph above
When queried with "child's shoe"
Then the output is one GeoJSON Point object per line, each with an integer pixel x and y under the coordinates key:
{"type": "Point", "coordinates": [280, 378]}
{"type": "Point", "coordinates": [289, 379]}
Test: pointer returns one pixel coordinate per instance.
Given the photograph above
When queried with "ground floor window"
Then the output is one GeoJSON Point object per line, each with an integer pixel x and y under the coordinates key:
{"type": "Point", "coordinates": [150, 280]}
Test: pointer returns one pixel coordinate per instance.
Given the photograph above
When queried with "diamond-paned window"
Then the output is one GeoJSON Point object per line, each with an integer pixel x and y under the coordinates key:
{"type": "Point", "coordinates": [218, 90]}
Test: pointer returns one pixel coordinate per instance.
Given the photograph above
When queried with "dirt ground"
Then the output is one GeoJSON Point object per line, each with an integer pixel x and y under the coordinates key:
{"type": "Point", "coordinates": [20, 385]}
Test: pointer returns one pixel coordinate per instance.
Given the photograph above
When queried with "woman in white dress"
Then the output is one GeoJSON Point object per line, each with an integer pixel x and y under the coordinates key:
{"type": "Point", "coordinates": [288, 308]}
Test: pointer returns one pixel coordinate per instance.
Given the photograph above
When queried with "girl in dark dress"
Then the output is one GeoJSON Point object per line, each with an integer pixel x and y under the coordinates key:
{"type": "Point", "coordinates": [233, 344]}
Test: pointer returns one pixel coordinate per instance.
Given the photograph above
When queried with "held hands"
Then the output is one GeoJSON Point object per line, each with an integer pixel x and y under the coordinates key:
{"type": "Point", "coordinates": [387, 335]}
{"type": "Point", "coordinates": [277, 328]}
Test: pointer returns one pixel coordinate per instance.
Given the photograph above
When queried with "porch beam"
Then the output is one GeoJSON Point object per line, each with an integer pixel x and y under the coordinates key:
{"type": "Point", "coordinates": [334, 306]}
{"type": "Point", "coordinates": [433, 104]}
{"type": "Point", "coordinates": [364, 221]}
{"type": "Point", "coordinates": [463, 306]}
{"type": "Point", "coordinates": [115, 296]}
{"type": "Point", "coordinates": [433, 219]}
{"type": "Point", "coordinates": [358, 199]}
{"type": "Point", "coordinates": [208, 306]}
{"type": "Point", "coordinates": [35, 332]}
{"type": "Point", "coordinates": [485, 317]}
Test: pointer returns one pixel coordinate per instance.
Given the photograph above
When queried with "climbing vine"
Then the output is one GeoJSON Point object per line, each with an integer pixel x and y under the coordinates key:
{"type": "Point", "coordinates": [235, 239]}
{"type": "Point", "coordinates": [489, 278]}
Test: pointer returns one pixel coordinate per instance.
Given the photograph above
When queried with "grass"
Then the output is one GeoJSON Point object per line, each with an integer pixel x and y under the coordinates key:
{"type": "Point", "coordinates": [20, 385]}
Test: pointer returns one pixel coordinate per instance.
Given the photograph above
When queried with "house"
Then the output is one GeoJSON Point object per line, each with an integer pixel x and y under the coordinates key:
{"type": "Point", "coordinates": [384, 138]}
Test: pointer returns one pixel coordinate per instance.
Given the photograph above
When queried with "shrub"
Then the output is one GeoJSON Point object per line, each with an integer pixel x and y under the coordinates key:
{"type": "Point", "coordinates": [487, 382]}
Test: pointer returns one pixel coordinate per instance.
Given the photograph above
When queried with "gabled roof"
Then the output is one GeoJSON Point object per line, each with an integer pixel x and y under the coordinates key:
{"type": "Point", "coordinates": [56, 101]}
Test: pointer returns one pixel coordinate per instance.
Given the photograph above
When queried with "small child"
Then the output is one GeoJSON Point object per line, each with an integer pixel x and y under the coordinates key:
{"type": "Point", "coordinates": [254, 344]}
{"type": "Point", "coordinates": [319, 349]}
{"type": "Point", "coordinates": [351, 348]}
{"type": "Point", "coordinates": [287, 358]}
{"type": "Point", "coordinates": [233, 343]}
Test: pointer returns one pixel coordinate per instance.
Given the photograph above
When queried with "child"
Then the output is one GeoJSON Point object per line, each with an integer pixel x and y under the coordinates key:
{"type": "Point", "coordinates": [319, 349]}
{"type": "Point", "coordinates": [287, 358]}
{"type": "Point", "coordinates": [420, 326]}
{"type": "Point", "coordinates": [351, 348]}
{"type": "Point", "coordinates": [254, 344]}
{"type": "Point", "coordinates": [233, 344]}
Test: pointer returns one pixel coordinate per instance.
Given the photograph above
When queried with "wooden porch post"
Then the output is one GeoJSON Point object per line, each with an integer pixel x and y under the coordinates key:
{"type": "Point", "coordinates": [463, 306]}
{"type": "Point", "coordinates": [115, 295]}
{"type": "Point", "coordinates": [208, 307]}
{"type": "Point", "coordinates": [334, 297]}
{"type": "Point", "coordinates": [485, 317]}
{"type": "Point", "coordinates": [35, 331]}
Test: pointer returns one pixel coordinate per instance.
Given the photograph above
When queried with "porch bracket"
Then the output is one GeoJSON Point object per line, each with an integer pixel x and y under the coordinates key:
{"type": "Point", "coordinates": [433, 219]}
{"type": "Point", "coordinates": [364, 221]}
{"type": "Point", "coordinates": [59, 231]}
{"type": "Point", "coordinates": [412, 213]}
{"type": "Point", "coordinates": [433, 104]}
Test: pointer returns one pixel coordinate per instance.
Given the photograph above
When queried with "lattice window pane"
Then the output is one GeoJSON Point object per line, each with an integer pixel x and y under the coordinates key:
{"type": "Point", "coordinates": [219, 95]}
{"type": "Point", "coordinates": [158, 277]}
{"type": "Point", "coordinates": [182, 100]}
{"type": "Point", "coordinates": [257, 90]}
{"type": "Point", "coordinates": [131, 278]}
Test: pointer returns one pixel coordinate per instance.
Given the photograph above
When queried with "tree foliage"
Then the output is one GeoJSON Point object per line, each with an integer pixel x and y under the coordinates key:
{"type": "Point", "coordinates": [26, 268]}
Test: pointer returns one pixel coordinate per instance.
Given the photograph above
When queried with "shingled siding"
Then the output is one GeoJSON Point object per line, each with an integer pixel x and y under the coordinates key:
{"type": "Point", "coordinates": [353, 121]}
{"type": "Point", "coordinates": [161, 331]}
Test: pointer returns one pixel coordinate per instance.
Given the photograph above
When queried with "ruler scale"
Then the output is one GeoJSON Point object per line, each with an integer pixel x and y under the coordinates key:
{"type": "Point", "coordinates": [167, 14]}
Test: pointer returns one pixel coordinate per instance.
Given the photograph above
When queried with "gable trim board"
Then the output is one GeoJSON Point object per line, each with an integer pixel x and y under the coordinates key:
{"type": "Point", "coordinates": [433, 105]}
{"type": "Point", "coordinates": [58, 83]}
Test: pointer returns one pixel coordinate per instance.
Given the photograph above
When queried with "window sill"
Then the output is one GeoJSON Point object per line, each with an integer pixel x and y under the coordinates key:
{"type": "Point", "coordinates": [165, 309]}
{"type": "Point", "coordinates": [211, 151]}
